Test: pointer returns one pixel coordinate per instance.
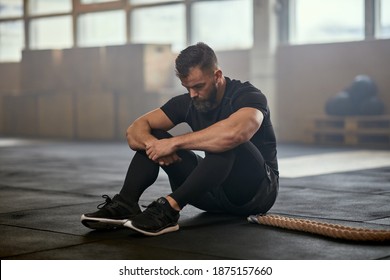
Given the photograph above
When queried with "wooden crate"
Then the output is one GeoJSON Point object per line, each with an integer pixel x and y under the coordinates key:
{"type": "Point", "coordinates": [358, 130]}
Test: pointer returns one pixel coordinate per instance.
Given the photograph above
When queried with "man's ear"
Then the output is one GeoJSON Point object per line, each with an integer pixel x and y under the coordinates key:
{"type": "Point", "coordinates": [218, 75]}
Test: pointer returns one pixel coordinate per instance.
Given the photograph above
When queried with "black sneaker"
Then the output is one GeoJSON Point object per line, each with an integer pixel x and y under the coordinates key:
{"type": "Point", "coordinates": [112, 213]}
{"type": "Point", "coordinates": [157, 219]}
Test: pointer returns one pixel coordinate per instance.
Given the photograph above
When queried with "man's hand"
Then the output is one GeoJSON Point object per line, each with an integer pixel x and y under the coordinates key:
{"type": "Point", "coordinates": [162, 151]}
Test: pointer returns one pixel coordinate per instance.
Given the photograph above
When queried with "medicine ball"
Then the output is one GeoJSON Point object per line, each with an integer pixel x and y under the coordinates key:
{"type": "Point", "coordinates": [340, 105]}
{"type": "Point", "coordinates": [372, 106]}
{"type": "Point", "coordinates": [362, 88]}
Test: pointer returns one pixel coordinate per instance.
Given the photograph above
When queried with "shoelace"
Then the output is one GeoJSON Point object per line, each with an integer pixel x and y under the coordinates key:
{"type": "Point", "coordinates": [105, 203]}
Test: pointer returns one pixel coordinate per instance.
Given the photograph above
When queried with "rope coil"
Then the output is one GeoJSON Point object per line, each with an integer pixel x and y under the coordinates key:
{"type": "Point", "coordinates": [325, 229]}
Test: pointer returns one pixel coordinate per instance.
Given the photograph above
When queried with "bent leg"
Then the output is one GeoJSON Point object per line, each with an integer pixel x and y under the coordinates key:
{"type": "Point", "coordinates": [143, 172]}
{"type": "Point", "coordinates": [246, 175]}
{"type": "Point", "coordinates": [237, 174]}
{"type": "Point", "coordinates": [251, 187]}
{"type": "Point", "coordinates": [210, 172]}
{"type": "Point", "coordinates": [226, 181]}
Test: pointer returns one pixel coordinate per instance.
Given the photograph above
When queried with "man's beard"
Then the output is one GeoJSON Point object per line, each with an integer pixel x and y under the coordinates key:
{"type": "Point", "coordinates": [204, 106]}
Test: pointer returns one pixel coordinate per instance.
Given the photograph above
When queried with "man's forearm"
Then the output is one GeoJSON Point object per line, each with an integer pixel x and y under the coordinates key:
{"type": "Point", "coordinates": [213, 139]}
{"type": "Point", "coordinates": [138, 135]}
{"type": "Point", "coordinates": [223, 135]}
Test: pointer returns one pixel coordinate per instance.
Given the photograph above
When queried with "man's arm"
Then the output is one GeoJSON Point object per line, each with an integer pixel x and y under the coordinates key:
{"type": "Point", "coordinates": [224, 135]}
{"type": "Point", "coordinates": [139, 132]}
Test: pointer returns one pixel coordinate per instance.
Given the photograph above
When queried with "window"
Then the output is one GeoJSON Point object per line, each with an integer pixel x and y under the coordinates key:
{"type": "Point", "coordinates": [223, 24]}
{"type": "Point", "coordinates": [11, 40]}
{"type": "Point", "coordinates": [318, 21]}
{"type": "Point", "coordinates": [37, 7]}
{"type": "Point", "coordinates": [51, 33]}
{"type": "Point", "coordinates": [102, 28]}
{"type": "Point", "coordinates": [11, 8]}
{"type": "Point", "coordinates": [384, 28]}
{"type": "Point", "coordinates": [161, 24]}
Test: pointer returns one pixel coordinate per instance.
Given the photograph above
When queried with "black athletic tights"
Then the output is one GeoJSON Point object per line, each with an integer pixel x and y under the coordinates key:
{"type": "Point", "coordinates": [238, 171]}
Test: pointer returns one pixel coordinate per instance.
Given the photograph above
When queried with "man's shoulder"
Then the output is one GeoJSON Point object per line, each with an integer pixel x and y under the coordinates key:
{"type": "Point", "coordinates": [179, 100]}
{"type": "Point", "coordinates": [177, 103]}
{"type": "Point", "coordinates": [244, 94]}
{"type": "Point", "coordinates": [237, 86]}
{"type": "Point", "coordinates": [176, 108]}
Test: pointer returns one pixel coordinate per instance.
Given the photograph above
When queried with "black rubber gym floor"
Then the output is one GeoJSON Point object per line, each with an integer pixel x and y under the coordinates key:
{"type": "Point", "coordinates": [46, 186]}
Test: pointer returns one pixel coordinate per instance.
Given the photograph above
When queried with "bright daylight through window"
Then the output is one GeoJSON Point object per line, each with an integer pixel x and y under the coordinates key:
{"type": "Point", "coordinates": [316, 21]}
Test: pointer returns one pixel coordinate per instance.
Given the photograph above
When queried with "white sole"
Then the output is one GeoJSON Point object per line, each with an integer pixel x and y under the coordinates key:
{"type": "Point", "coordinates": [165, 230]}
{"type": "Point", "coordinates": [101, 223]}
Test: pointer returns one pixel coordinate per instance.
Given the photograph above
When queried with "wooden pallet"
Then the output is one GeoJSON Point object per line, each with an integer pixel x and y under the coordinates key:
{"type": "Point", "coordinates": [363, 130]}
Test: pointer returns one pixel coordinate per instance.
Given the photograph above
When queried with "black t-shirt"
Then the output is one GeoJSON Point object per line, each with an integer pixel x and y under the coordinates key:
{"type": "Point", "coordinates": [237, 95]}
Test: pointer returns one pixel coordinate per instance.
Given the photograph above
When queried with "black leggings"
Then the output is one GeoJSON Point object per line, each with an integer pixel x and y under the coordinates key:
{"type": "Point", "coordinates": [239, 174]}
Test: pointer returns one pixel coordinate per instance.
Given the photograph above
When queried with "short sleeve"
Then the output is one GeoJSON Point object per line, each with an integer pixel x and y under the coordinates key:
{"type": "Point", "coordinates": [177, 108]}
{"type": "Point", "coordinates": [252, 99]}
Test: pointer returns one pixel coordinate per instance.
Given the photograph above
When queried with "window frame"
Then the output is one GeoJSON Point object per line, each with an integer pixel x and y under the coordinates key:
{"type": "Point", "coordinates": [286, 21]}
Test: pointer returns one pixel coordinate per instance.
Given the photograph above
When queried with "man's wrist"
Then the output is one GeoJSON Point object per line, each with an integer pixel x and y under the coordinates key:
{"type": "Point", "coordinates": [176, 143]}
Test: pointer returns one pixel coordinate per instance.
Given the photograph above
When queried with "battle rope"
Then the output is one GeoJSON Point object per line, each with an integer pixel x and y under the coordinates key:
{"type": "Point", "coordinates": [325, 229]}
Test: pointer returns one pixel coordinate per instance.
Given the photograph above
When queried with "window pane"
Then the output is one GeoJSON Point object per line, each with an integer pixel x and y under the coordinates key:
{"type": "Point", "coordinates": [223, 24]}
{"type": "Point", "coordinates": [11, 40]}
{"type": "Point", "coordinates": [162, 25]}
{"type": "Point", "coordinates": [384, 31]}
{"type": "Point", "coordinates": [317, 21]}
{"type": "Point", "coordinates": [149, 1]}
{"type": "Point", "coordinates": [47, 33]}
{"type": "Point", "coordinates": [102, 28]}
{"type": "Point", "coordinates": [11, 8]}
{"type": "Point", "coordinates": [49, 6]}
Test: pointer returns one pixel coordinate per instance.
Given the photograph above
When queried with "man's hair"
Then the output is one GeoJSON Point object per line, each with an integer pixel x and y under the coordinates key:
{"type": "Point", "coordinates": [196, 55]}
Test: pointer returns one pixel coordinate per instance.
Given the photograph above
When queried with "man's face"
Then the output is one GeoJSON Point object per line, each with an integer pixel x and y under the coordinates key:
{"type": "Point", "coordinates": [202, 89]}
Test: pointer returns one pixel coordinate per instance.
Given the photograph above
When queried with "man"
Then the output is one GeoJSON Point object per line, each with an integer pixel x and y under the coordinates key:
{"type": "Point", "coordinates": [231, 123]}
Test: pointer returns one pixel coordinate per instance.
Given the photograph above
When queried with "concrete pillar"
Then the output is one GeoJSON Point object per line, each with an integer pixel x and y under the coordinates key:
{"type": "Point", "coordinates": [262, 62]}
